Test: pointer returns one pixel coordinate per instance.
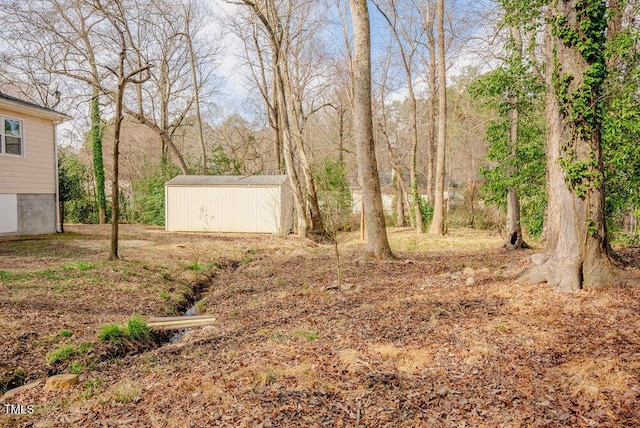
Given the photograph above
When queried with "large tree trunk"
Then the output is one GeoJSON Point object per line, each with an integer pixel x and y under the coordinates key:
{"type": "Point", "coordinates": [377, 244]}
{"type": "Point", "coordinates": [437, 223]}
{"type": "Point", "coordinates": [577, 244]}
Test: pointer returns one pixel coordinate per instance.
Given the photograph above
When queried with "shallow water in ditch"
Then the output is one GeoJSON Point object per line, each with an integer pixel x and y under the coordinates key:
{"type": "Point", "coordinates": [179, 334]}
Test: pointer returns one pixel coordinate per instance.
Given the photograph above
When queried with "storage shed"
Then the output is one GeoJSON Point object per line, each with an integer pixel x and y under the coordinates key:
{"type": "Point", "coordinates": [229, 203]}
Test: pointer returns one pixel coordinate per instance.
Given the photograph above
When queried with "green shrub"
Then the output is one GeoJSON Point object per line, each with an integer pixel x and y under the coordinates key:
{"type": "Point", "coordinates": [148, 193]}
{"type": "Point", "coordinates": [137, 329]}
{"type": "Point", "coordinates": [111, 333]}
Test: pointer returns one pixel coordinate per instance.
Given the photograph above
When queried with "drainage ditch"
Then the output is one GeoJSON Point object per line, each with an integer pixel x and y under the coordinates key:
{"type": "Point", "coordinates": [192, 307]}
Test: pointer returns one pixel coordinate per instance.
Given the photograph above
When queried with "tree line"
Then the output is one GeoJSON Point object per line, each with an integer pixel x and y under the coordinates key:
{"type": "Point", "coordinates": [546, 127]}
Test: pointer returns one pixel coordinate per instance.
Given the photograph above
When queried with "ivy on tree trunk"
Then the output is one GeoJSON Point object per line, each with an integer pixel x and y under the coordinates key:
{"type": "Point", "coordinates": [577, 246]}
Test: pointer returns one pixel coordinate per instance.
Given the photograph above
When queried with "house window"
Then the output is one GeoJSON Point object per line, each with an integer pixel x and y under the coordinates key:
{"type": "Point", "coordinates": [11, 137]}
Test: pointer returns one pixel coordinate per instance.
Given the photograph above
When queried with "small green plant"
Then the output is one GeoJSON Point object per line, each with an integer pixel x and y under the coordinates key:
{"type": "Point", "coordinates": [90, 388]}
{"type": "Point", "coordinates": [76, 367]}
{"type": "Point", "coordinates": [200, 304]}
{"type": "Point", "coordinates": [65, 333]}
{"type": "Point", "coordinates": [83, 347]}
{"type": "Point", "coordinates": [111, 333]}
{"type": "Point", "coordinates": [252, 251]}
{"type": "Point", "coordinates": [164, 295]}
{"type": "Point", "coordinates": [137, 329]}
{"type": "Point", "coordinates": [8, 276]}
{"type": "Point", "coordinates": [195, 266]}
{"type": "Point", "coordinates": [80, 265]}
{"type": "Point", "coordinates": [307, 334]}
{"type": "Point", "coordinates": [49, 274]}
{"type": "Point", "coordinates": [234, 313]}
{"type": "Point", "coordinates": [61, 354]}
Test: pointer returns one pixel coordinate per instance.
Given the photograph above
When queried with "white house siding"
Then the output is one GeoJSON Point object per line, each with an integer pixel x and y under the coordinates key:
{"type": "Point", "coordinates": [35, 171]}
{"type": "Point", "coordinates": [28, 182]}
{"type": "Point", "coordinates": [192, 205]}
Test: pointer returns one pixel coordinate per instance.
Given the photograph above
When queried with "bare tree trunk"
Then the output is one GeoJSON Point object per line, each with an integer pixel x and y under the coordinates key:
{"type": "Point", "coordinates": [289, 162]}
{"type": "Point", "coordinates": [277, 25]}
{"type": "Point", "coordinates": [414, 157]}
{"type": "Point", "coordinates": [577, 238]}
{"type": "Point", "coordinates": [277, 143]}
{"type": "Point", "coordinates": [514, 238]}
{"type": "Point", "coordinates": [115, 189]}
{"type": "Point", "coordinates": [316, 225]}
{"type": "Point", "coordinates": [377, 244]}
{"type": "Point", "coordinates": [401, 197]}
{"type": "Point", "coordinates": [194, 82]}
{"type": "Point", "coordinates": [407, 54]}
{"type": "Point", "coordinates": [428, 23]}
{"type": "Point", "coordinates": [437, 223]}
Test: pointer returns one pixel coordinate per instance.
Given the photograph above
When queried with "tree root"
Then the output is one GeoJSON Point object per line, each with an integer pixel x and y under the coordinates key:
{"type": "Point", "coordinates": [569, 275]}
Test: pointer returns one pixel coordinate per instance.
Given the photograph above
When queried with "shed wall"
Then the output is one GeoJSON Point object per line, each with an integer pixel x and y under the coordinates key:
{"type": "Point", "coordinates": [223, 209]}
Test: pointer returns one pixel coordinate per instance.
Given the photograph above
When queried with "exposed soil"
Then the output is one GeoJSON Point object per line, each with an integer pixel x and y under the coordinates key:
{"type": "Point", "coordinates": [414, 342]}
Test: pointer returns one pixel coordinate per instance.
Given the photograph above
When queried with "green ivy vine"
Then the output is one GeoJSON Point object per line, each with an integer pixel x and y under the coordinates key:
{"type": "Point", "coordinates": [578, 96]}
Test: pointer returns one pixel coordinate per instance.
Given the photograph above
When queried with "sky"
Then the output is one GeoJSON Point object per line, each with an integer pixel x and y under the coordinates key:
{"type": "Point", "coordinates": [469, 53]}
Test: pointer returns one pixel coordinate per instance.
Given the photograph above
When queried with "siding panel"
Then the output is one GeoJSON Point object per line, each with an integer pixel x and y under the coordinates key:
{"type": "Point", "coordinates": [224, 209]}
{"type": "Point", "coordinates": [35, 172]}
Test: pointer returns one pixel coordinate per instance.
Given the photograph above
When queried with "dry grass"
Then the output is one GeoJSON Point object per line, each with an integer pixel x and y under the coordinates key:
{"type": "Point", "coordinates": [592, 376]}
{"type": "Point", "coordinates": [405, 360]}
{"type": "Point", "coordinates": [126, 391]}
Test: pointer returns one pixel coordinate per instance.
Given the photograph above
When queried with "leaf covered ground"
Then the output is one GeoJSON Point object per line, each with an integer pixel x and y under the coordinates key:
{"type": "Point", "coordinates": [441, 337]}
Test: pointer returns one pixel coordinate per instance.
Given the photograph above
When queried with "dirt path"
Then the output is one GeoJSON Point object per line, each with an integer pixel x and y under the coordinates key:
{"type": "Point", "coordinates": [441, 337]}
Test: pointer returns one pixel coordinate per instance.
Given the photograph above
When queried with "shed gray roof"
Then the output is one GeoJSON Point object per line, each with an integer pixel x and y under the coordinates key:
{"type": "Point", "coordinates": [227, 180]}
